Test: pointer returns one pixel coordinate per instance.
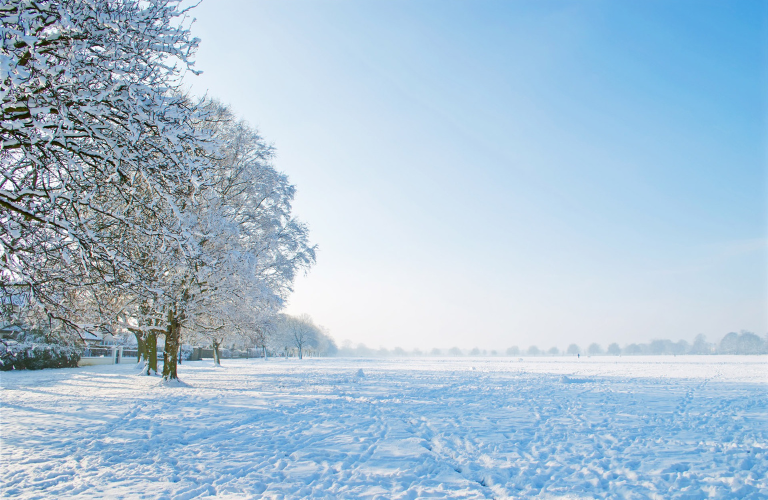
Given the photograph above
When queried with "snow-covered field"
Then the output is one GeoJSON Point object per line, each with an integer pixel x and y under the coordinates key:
{"type": "Point", "coordinates": [603, 427]}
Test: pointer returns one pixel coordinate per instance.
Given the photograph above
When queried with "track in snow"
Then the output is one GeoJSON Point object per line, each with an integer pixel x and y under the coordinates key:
{"type": "Point", "coordinates": [685, 427]}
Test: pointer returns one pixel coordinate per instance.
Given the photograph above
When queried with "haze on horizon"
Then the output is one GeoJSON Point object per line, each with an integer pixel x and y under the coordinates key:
{"type": "Point", "coordinates": [512, 173]}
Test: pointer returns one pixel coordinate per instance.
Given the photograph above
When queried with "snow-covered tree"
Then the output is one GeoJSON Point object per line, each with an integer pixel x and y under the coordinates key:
{"type": "Point", "coordinates": [98, 146]}
{"type": "Point", "coordinates": [163, 213]}
{"type": "Point", "coordinates": [249, 247]}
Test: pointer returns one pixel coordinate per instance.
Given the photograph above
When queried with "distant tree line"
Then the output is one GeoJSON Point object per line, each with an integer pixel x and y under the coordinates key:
{"type": "Point", "coordinates": [293, 336]}
{"type": "Point", "coordinates": [733, 343]}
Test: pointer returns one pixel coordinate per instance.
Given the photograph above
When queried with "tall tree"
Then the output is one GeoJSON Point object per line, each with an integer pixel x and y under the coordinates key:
{"type": "Point", "coordinates": [249, 247]}
{"type": "Point", "coordinates": [97, 143]}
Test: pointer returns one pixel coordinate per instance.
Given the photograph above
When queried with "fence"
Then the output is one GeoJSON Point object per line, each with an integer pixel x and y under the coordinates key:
{"type": "Point", "coordinates": [111, 355]}
{"type": "Point", "coordinates": [106, 355]}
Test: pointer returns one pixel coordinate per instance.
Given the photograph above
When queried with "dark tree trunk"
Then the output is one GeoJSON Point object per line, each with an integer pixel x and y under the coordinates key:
{"type": "Point", "coordinates": [151, 353]}
{"type": "Point", "coordinates": [179, 341]}
{"type": "Point", "coordinates": [216, 357]}
{"type": "Point", "coordinates": [171, 350]}
{"type": "Point", "coordinates": [141, 350]}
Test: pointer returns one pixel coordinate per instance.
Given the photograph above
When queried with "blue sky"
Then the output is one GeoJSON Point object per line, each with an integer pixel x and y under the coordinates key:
{"type": "Point", "coordinates": [512, 173]}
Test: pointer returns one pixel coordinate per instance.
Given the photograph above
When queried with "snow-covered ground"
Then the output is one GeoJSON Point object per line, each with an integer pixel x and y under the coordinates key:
{"type": "Point", "coordinates": [602, 427]}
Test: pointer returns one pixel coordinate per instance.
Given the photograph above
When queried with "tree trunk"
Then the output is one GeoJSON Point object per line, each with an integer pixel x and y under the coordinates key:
{"type": "Point", "coordinates": [141, 350]}
{"type": "Point", "coordinates": [171, 350]}
{"type": "Point", "coordinates": [151, 354]}
{"type": "Point", "coordinates": [265, 352]}
{"type": "Point", "coordinates": [216, 358]}
{"type": "Point", "coordinates": [300, 353]}
{"type": "Point", "coordinates": [179, 341]}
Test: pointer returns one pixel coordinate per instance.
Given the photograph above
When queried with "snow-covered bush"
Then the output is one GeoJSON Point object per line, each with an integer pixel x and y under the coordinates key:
{"type": "Point", "coordinates": [35, 352]}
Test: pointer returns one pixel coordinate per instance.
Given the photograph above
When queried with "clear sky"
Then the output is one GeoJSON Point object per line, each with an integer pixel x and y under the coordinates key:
{"type": "Point", "coordinates": [512, 173]}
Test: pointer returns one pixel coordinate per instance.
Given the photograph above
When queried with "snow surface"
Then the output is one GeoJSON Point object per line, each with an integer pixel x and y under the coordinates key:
{"type": "Point", "coordinates": [646, 427]}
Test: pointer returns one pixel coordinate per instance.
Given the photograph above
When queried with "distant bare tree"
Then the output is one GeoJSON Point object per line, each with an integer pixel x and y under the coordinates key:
{"type": "Point", "coordinates": [261, 336]}
{"type": "Point", "coordinates": [594, 349]}
{"type": "Point", "coordinates": [746, 343]}
{"type": "Point", "coordinates": [700, 345]}
{"type": "Point", "coordinates": [299, 333]}
{"type": "Point", "coordinates": [633, 349]}
{"type": "Point", "coordinates": [614, 349]}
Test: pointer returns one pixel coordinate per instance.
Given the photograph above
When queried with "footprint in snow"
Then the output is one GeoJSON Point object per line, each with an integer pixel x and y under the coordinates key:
{"type": "Point", "coordinates": [570, 380]}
